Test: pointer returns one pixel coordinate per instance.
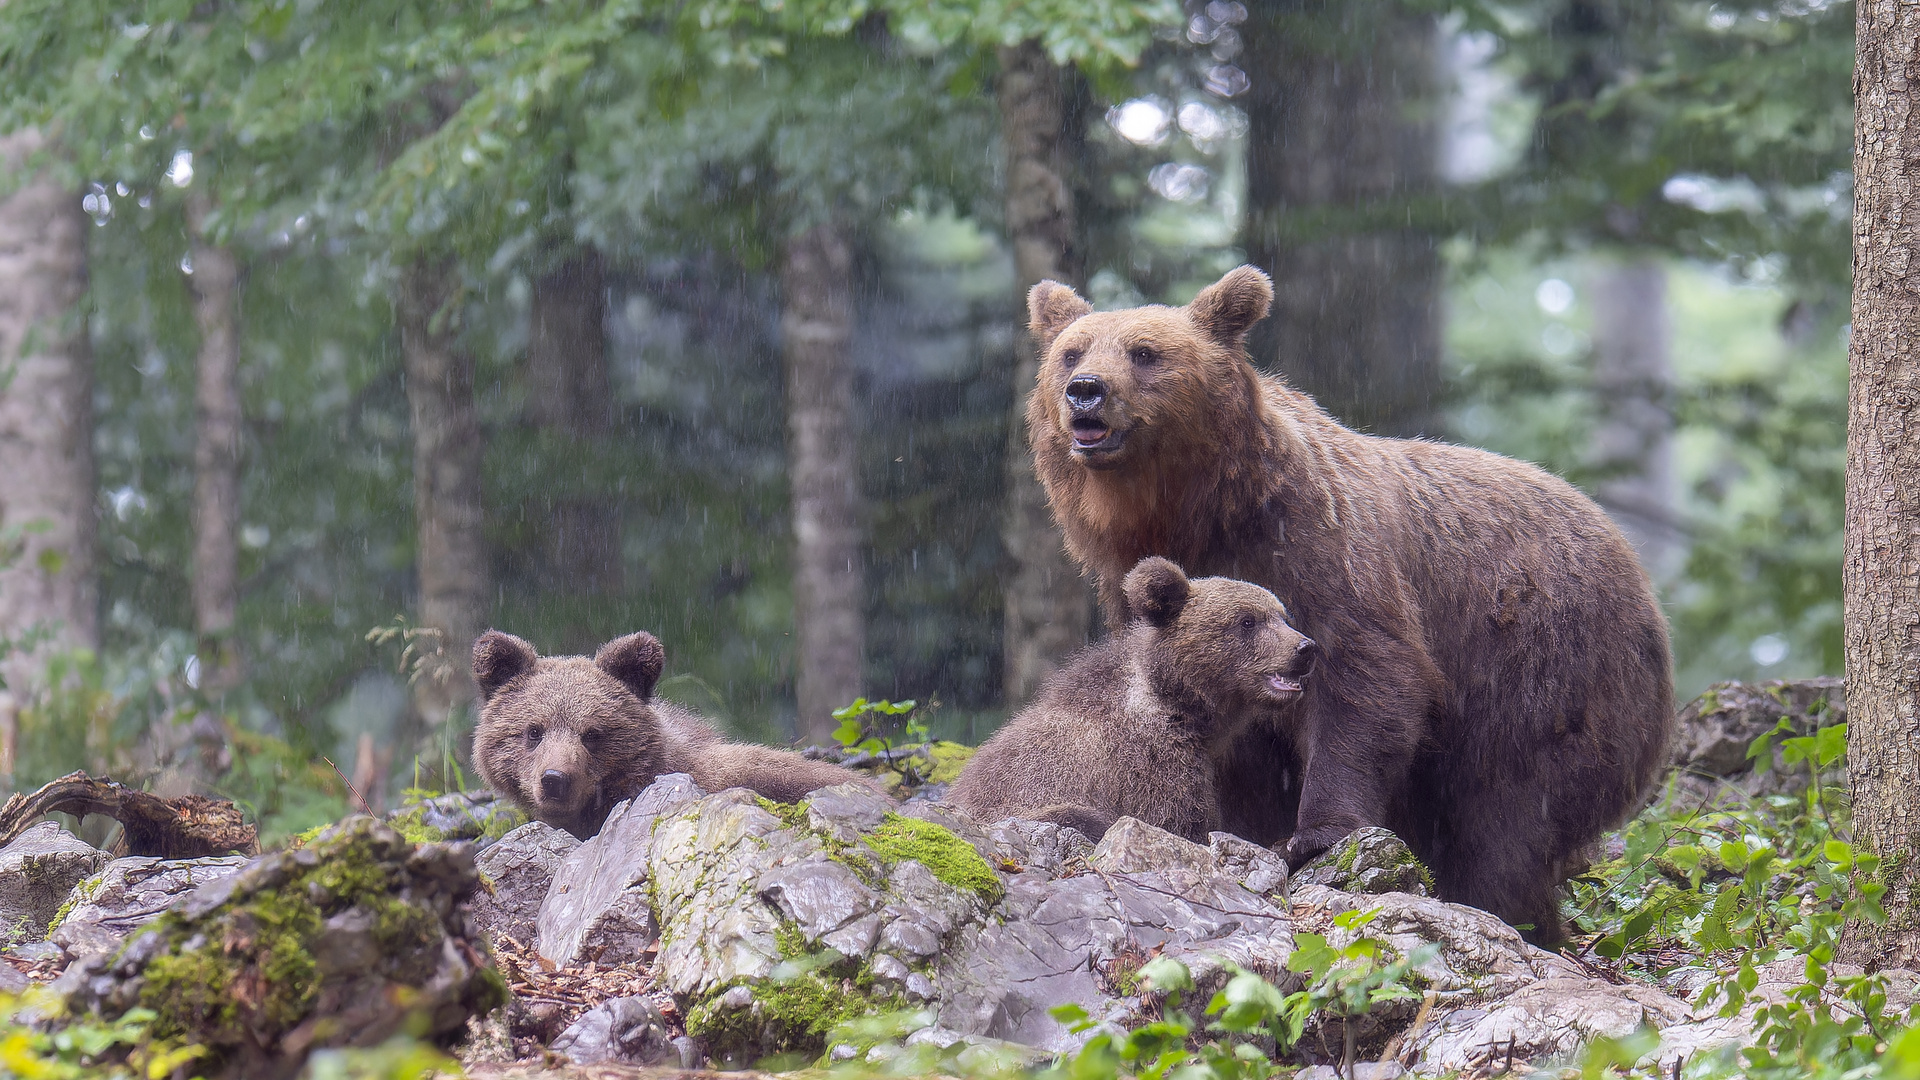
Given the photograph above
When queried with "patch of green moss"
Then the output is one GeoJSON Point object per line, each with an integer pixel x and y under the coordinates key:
{"type": "Point", "coordinates": [788, 1016]}
{"type": "Point", "coordinates": [948, 759]}
{"type": "Point", "coordinates": [791, 814]}
{"type": "Point", "coordinates": [951, 859]}
{"type": "Point", "coordinates": [81, 894]}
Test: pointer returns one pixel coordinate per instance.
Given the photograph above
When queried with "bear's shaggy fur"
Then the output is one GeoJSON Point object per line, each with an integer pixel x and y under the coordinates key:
{"type": "Point", "coordinates": [1496, 685]}
{"type": "Point", "coordinates": [566, 737]}
{"type": "Point", "coordinates": [1138, 724]}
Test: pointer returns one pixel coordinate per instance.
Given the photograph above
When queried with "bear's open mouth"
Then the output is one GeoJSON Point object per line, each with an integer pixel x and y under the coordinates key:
{"type": "Point", "coordinates": [1281, 686]}
{"type": "Point", "coordinates": [1090, 436]}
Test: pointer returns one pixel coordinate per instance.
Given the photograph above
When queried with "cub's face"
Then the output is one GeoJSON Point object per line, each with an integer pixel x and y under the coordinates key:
{"type": "Point", "coordinates": [1225, 643]}
{"type": "Point", "coordinates": [1117, 387]}
{"type": "Point", "coordinates": [565, 737]}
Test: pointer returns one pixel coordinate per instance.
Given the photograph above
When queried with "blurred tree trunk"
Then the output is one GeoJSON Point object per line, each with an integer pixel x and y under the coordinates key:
{"type": "Point", "coordinates": [215, 284]}
{"type": "Point", "coordinates": [1633, 378]}
{"type": "Point", "coordinates": [829, 595]}
{"type": "Point", "coordinates": [46, 428]}
{"type": "Point", "coordinates": [1344, 145]}
{"type": "Point", "coordinates": [448, 455]}
{"type": "Point", "coordinates": [569, 400]}
{"type": "Point", "coordinates": [1049, 609]}
{"type": "Point", "coordinates": [1882, 590]}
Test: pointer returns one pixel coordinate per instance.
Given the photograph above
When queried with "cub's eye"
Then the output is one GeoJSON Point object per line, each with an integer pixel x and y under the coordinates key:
{"type": "Point", "coordinates": [593, 739]}
{"type": "Point", "coordinates": [1248, 622]}
{"type": "Point", "coordinates": [1071, 358]}
{"type": "Point", "coordinates": [534, 734]}
{"type": "Point", "coordinates": [1143, 355]}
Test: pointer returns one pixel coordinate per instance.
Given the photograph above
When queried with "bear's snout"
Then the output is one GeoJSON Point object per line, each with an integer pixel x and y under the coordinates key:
{"type": "Point", "coordinates": [1305, 654]}
{"type": "Point", "coordinates": [554, 786]}
{"type": "Point", "coordinates": [1085, 394]}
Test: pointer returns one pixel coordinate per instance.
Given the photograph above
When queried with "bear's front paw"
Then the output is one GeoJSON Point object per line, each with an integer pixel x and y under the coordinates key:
{"type": "Point", "coordinates": [1307, 843]}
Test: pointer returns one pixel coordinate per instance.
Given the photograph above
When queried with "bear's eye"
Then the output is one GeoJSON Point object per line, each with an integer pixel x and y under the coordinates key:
{"type": "Point", "coordinates": [1143, 355]}
{"type": "Point", "coordinates": [534, 734]}
{"type": "Point", "coordinates": [593, 739]}
{"type": "Point", "coordinates": [1248, 622]}
{"type": "Point", "coordinates": [1071, 358]}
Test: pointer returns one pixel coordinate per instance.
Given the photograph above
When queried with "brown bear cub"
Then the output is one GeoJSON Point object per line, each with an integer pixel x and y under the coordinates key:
{"type": "Point", "coordinates": [1495, 684]}
{"type": "Point", "coordinates": [1139, 724]}
{"type": "Point", "coordinates": [566, 737]}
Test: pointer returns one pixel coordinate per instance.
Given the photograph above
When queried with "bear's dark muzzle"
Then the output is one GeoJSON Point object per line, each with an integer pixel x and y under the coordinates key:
{"type": "Point", "coordinates": [554, 785]}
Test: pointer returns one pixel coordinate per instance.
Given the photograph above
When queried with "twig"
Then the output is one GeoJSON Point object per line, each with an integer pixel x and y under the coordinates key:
{"type": "Point", "coordinates": [350, 787]}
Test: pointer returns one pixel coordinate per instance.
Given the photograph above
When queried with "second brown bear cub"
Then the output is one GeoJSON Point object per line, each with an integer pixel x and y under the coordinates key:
{"type": "Point", "coordinates": [566, 737]}
{"type": "Point", "coordinates": [1138, 724]}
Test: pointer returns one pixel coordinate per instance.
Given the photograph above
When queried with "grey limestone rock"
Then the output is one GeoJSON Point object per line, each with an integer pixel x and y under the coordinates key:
{"type": "Point", "coordinates": [597, 908]}
{"type": "Point", "coordinates": [516, 873]}
{"type": "Point", "coordinates": [1041, 846]}
{"type": "Point", "coordinates": [1551, 1018]}
{"type": "Point", "coordinates": [1261, 870]}
{"type": "Point", "coordinates": [624, 1030]}
{"type": "Point", "coordinates": [1370, 860]}
{"type": "Point", "coordinates": [37, 873]}
{"type": "Point", "coordinates": [129, 894]}
{"type": "Point", "coordinates": [1713, 732]}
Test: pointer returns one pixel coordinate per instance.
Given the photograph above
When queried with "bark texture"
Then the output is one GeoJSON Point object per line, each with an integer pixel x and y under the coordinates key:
{"type": "Point", "coordinates": [216, 453]}
{"type": "Point", "coordinates": [451, 558]}
{"type": "Point", "coordinates": [568, 398]}
{"type": "Point", "coordinates": [1633, 444]}
{"type": "Point", "coordinates": [1344, 146]}
{"type": "Point", "coordinates": [1882, 569]}
{"type": "Point", "coordinates": [829, 595]}
{"type": "Point", "coordinates": [46, 420]}
{"type": "Point", "coordinates": [1049, 608]}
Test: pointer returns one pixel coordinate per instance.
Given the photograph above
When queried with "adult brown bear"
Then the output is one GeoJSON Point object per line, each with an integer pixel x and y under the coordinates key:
{"type": "Point", "coordinates": [1495, 684]}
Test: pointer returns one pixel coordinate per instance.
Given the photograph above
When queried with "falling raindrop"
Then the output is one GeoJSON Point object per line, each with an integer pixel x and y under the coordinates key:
{"type": "Point", "coordinates": [1769, 649]}
{"type": "Point", "coordinates": [191, 669]}
{"type": "Point", "coordinates": [1226, 80]}
{"type": "Point", "coordinates": [186, 263]}
{"type": "Point", "coordinates": [98, 204]}
{"type": "Point", "coordinates": [122, 190]}
{"type": "Point", "coordinates": [146, 132]}
{"type": "Point", "coordinates": [1554, 296]}
{"type": "Point", "coordinates": [181, 170]}
{"type": "Point", "coordinates": [1142, 121]}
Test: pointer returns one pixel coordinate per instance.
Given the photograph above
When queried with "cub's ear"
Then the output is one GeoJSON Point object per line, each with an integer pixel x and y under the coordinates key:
{"type": "Point", "coordinates": [498, 659]}
{"type": "Point", "coordinates": [636, 660]}
{"type": "Point", "coordinates": [1156, 590]}
{"type": "Point", "coordinates": [1051, 308]}
{"type": "Point", "coordinates": [1228, 308]}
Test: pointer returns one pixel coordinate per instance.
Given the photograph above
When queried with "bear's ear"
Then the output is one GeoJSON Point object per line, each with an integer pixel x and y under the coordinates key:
{"type": "Point", "coordinates": [1228, 308]}
{"type": "Point", "coordinates": [1051, 308]}
{"type": "Point", "coordinates": [636, 660]}
{"type": "Point", "coordinates": [498, 659]}
{"type": "Point", "coordinates": [1156, 590]}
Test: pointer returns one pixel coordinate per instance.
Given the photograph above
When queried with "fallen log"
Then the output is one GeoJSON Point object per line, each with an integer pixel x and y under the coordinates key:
{"type": "Point", "coordinates": [185, 827]}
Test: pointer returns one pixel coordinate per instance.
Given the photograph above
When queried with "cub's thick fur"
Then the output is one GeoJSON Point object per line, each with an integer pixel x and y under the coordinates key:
{"type": "Point", "coordinates": [1496, 685]}
{"type": "Point", "coordinates": [1138, 725]}
{"type": "Point", "coordinates": [567, 737]}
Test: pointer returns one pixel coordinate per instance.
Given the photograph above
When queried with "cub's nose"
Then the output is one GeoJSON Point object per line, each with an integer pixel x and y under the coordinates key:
{"type": "Point", "coordinates": [554, 785]}
{"type": "Point", "coordinates": [1304, 655]}
{"type": "Point", "coordinates": [1086, 392]}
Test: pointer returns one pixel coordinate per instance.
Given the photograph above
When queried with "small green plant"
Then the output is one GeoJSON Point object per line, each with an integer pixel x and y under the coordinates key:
{"type": "Point", "coordinates": [871, 726]}
{"type": "Point", "coordinates": [1342, 983]}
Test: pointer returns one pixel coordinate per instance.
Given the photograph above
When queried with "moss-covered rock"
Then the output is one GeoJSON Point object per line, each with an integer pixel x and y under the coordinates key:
{"type": "Point", "coordinates": [936, 847]}
{"type": "Point", "coordinates": [348, 940]}
{"type": "Point", "coordinates": [479, 816]}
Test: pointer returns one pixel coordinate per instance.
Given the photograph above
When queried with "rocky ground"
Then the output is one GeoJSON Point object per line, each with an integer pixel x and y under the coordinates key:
{"type": "Point", "coordinates": [705, 930]}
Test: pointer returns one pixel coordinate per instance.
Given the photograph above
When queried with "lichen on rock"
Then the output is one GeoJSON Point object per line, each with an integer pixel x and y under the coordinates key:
{"type": "Point", "coordinates": [351, 939]}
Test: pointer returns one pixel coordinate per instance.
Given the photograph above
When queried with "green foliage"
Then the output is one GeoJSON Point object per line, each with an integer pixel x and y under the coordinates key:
{"type": "Point", "coordinates": [1342, 984]}
{"type": "Point", "coordinates": [33, 1047]}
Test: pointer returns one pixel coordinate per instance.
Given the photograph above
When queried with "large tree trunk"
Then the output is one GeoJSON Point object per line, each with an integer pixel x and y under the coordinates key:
{"type": "Point", "coordinates": [46, 428]}
{"type": "Point", "coordinates": [829, 595]}
{"type": "Point", "coordinates": [568, 399]}
{"type": "Point", "coordinates": [447, 457]}
{"type": "Point", "coordinates": [1343, 149]}
{"type": "Point", "coordinates": [216, 454]}
{"type": "Point", "coordinates": [1882, 588]}
{"type": "Point", "coordinates": [1049, 609]}
{"type": "Point", "coordinates": [1633, 378]}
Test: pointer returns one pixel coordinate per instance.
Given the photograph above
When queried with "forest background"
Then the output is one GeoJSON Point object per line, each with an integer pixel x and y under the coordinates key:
{"type": "Point", "coordinates": [577, 318]}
